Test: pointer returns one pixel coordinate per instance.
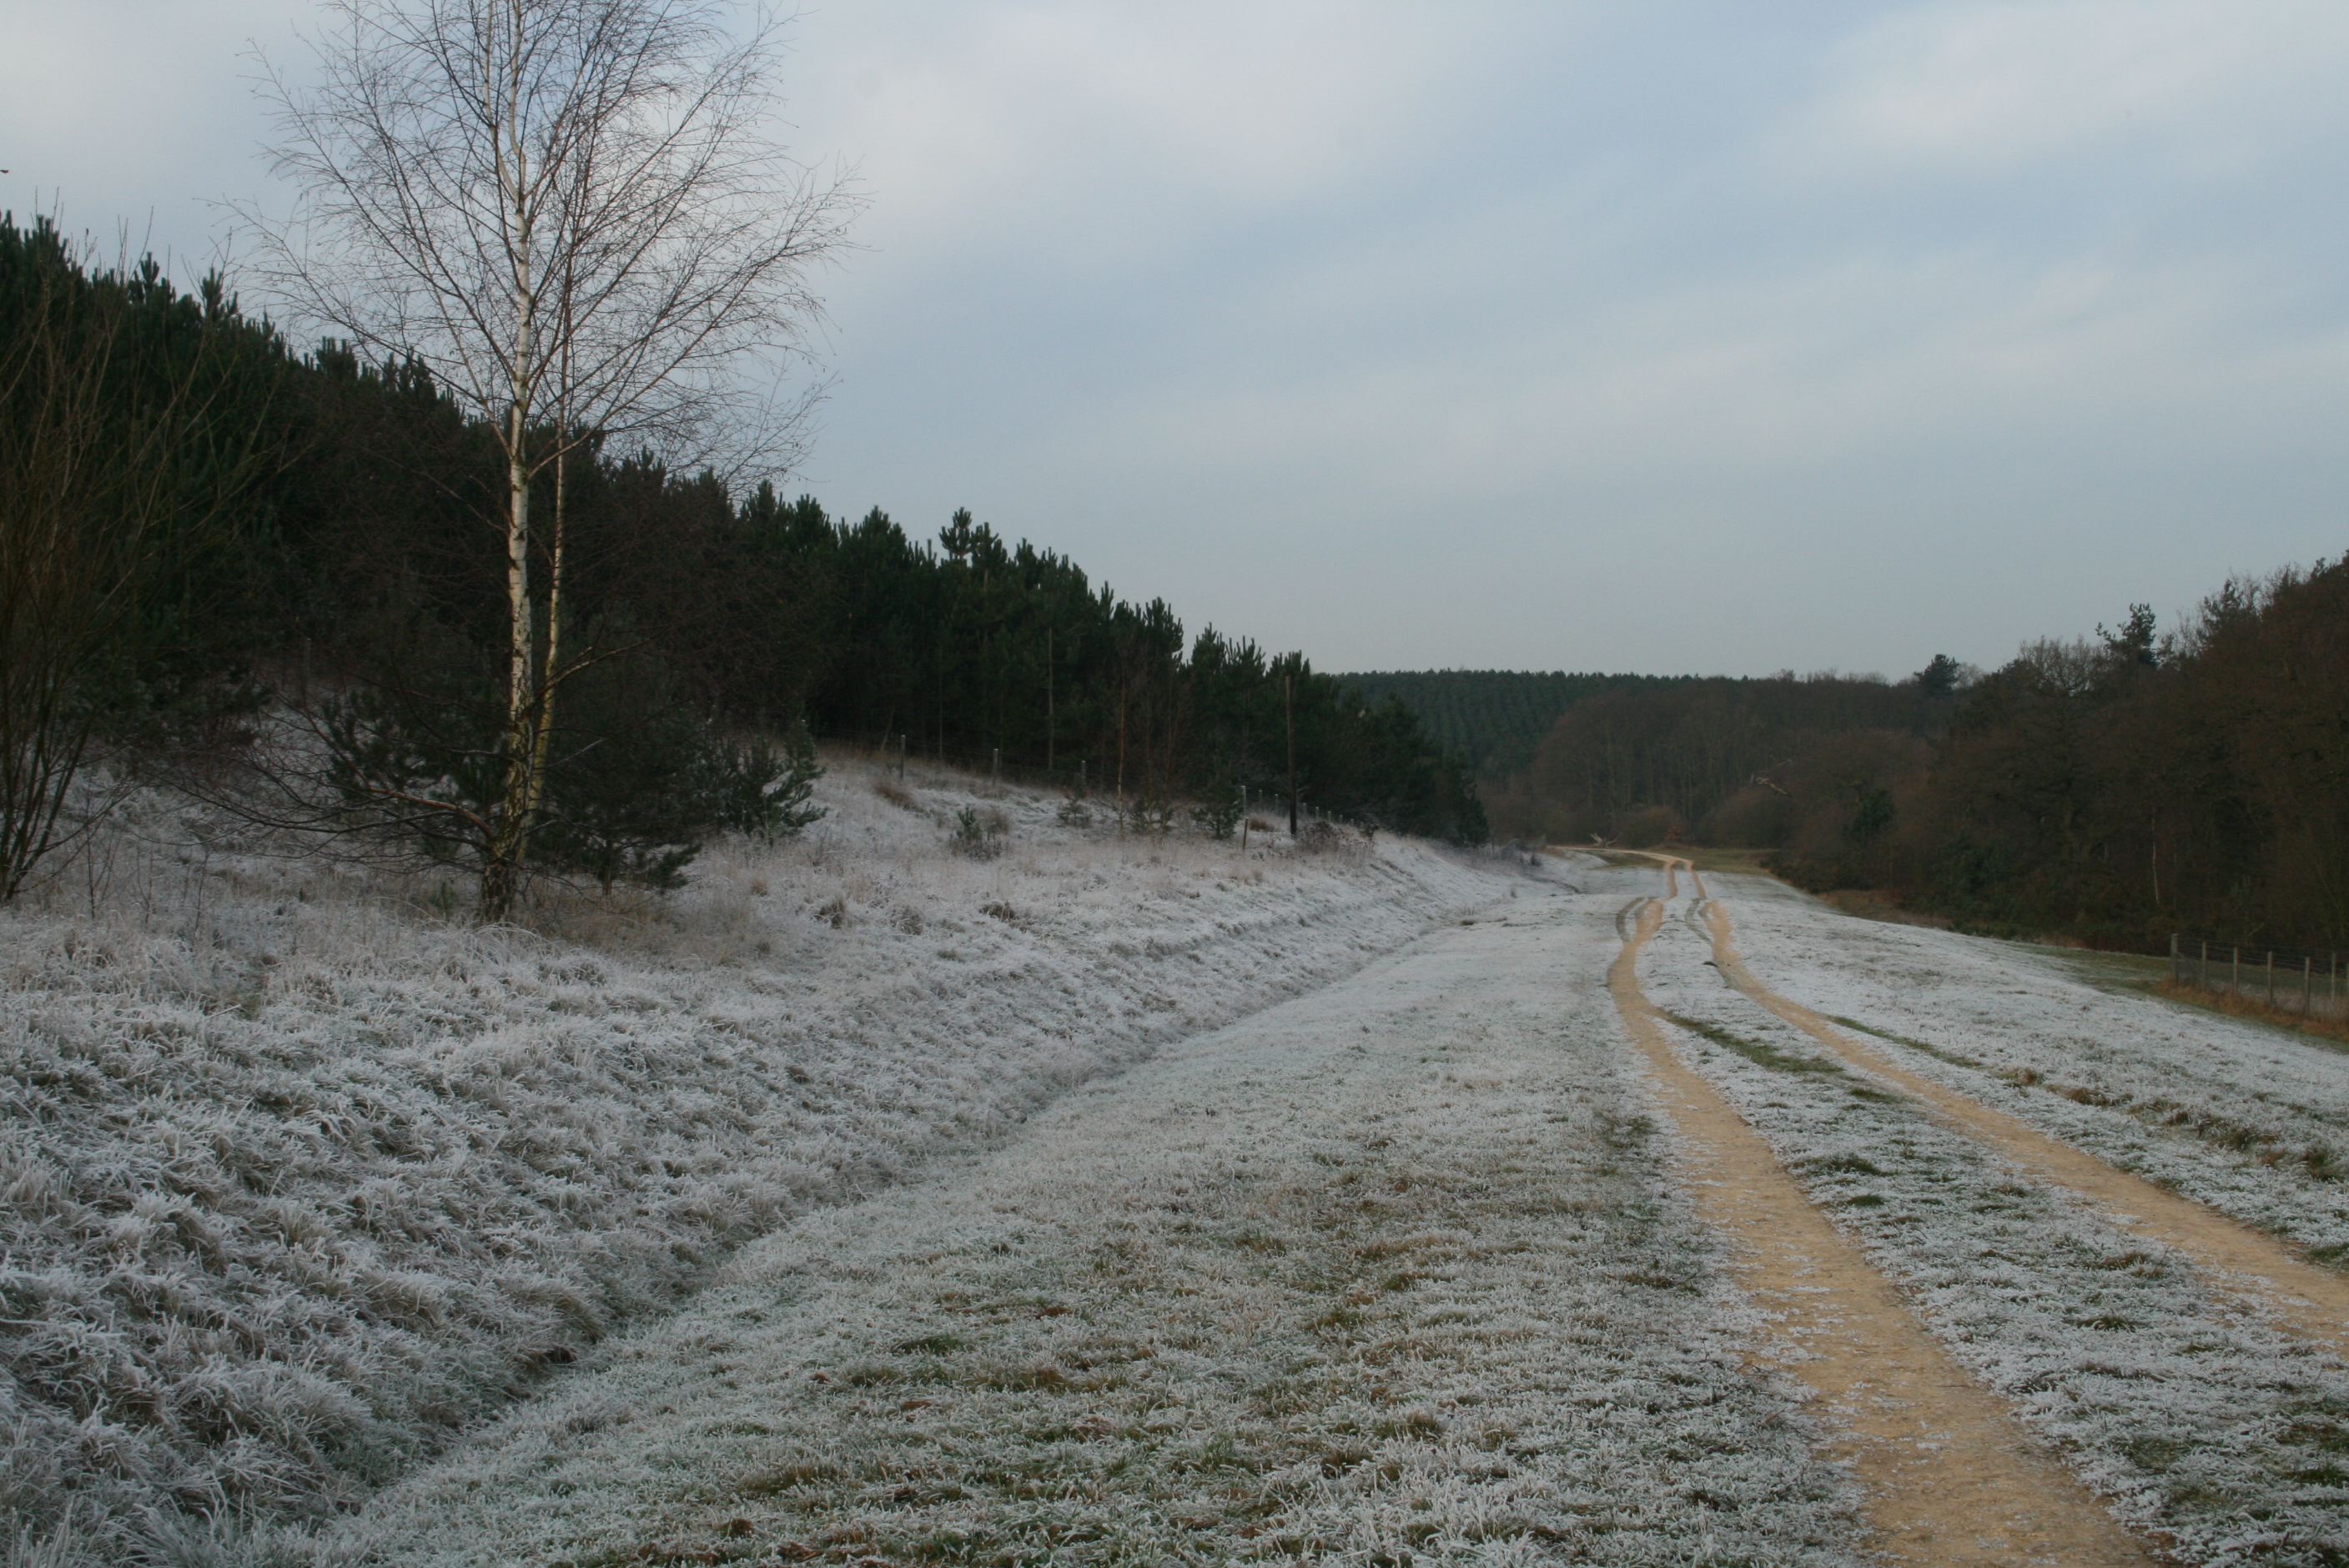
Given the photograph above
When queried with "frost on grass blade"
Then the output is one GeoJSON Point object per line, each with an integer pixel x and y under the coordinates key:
{"type": "Point", "coordinates": [2208, 1427]}
{"type": "Point", "coordinates": [302, 1177]}
{"type": "Point", "coordinates": [1394, 1270]}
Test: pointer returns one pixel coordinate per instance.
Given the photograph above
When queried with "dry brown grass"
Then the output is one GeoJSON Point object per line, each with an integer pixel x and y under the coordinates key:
{"type": "Point", "coordinates": [1871, 905]}
{"type": "Point", "coordinates": [2236, 1005]}
{"type": "Point", "coordinates": [1708, 859]}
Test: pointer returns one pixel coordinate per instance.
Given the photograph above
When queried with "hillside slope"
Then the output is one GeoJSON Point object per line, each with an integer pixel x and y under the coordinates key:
{"type": "Point", "coordinates": [300, 1180]}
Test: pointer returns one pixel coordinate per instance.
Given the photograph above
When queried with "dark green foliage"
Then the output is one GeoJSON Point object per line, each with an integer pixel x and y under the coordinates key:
{"type": "Point", "coordinates": [758, 787]}
{"type": "Point", "coordinates": [344, 568]}
{"type": "Point", "coordinates": [1940, 677]}
{"type": "Point", "coordinates": [970, 646]}
{"type": "Point", "coordinates": [1740, 761]}
{"type": "Point", "coordinates": [1219, 811]}
{"type": "Point", "coordinates": [1493, 718]}
{"type": "Point", "coordinates": [1870, 816]}
{"type": "Point", "coordinates": [638, 780]}
{"type": "Point", "coordinates": [135, 431]}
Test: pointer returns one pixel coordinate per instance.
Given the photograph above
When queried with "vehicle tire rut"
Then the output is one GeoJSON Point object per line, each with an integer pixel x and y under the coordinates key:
{"type": "Point", "coordinates": [2309, 1300]}
{"type": "Point", "coordinates": [1950, 1476]}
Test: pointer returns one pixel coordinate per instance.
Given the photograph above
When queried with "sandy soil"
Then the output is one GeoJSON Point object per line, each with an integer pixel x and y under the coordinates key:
{"type": "Point", "coordinates": [2311, 1300]}
{"type": "Point", "coordinates": [1951, 1477]}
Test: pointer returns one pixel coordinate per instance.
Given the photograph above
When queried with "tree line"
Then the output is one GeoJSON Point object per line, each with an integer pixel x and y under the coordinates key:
{"type": "Point", "coordinates": [279, 576]}
{"type": "Point", "coordinates": [1702, 758]}
{"type": "Point", "coordinates": [2118, 787]}
{"type": "Point", "coordinates": [1493, 719]}
{"type": "Point", "coordinates": [2133, 784]}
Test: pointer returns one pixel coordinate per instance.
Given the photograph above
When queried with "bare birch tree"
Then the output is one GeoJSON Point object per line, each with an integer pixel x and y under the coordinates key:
{"type": "Point", "coordinates": [569, 211]}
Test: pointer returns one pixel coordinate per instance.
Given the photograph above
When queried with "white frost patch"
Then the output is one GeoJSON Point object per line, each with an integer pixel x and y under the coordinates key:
{"type": "Point", "coordinates": [2211, 1431]}
{"type": "Point", "coordinates": [2242, 1116]}
{"type": "Point", "coordinates": [1392, 1272]}
{"type": "Point", "coordinates": [300, 1181]}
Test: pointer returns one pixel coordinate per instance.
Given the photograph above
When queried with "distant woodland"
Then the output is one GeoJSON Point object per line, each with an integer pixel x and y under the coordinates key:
{"type": "Point", "coordinates": [2118, 787]}
{"type": "Point", "coordinates": [1491, 719]}
{"type": "Point", "coordinates": [212, 540]}
{"type": "Point", "coordinates": [274, 574]}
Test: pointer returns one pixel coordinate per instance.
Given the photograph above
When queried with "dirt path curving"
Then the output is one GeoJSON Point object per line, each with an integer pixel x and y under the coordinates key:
{"type": "Point", "coordinates": [2309, 1301]}
{"type": "Point", "coordinates": [1952, 1477]}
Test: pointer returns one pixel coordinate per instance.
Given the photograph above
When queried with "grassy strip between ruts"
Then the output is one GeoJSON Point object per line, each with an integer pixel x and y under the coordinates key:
{"type": "Point", "coordinates": [2320, 1161]}
{"type": "Point", "coordinates": [2206, 1425]}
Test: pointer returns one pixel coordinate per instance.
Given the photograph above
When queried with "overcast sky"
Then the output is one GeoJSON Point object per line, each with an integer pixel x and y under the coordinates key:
{"type": "Point", "coordinates": [1717, 337]}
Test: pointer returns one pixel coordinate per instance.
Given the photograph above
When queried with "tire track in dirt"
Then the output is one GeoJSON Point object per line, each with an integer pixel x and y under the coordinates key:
{"type": "Point", "coordinates": [1952, 1478]}
{"type": "Point", "coordinates": [2309, 1301]}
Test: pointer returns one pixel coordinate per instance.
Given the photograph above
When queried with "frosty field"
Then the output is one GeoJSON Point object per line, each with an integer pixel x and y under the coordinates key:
{"type": "Point", "coordinates": [1390, 1272]}
{"type": "Point", "coordinates": [300, 1179]}
{"type": "Point", "coordinates": [1110, 1201]}
{"type": "Point", "coordinates": [2212, 1431]}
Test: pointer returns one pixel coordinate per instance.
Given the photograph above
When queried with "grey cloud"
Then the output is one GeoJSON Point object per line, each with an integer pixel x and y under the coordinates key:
{"type": "Point", "coordinates": [1671, 336]}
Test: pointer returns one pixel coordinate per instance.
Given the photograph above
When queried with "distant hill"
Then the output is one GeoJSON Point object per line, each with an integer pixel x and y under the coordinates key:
{"type": "Point", "coordinates": [1494, 717]}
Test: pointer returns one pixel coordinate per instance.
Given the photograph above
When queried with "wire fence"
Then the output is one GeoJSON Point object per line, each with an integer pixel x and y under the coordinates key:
{"type": "Point", "coordinates": [2306, 981]}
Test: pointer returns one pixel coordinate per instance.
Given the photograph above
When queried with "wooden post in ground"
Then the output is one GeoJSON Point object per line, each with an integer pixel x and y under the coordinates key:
{"type": "Point", "coordinates": [1289, 711]}
{"type": "Point", "coordinates": [2307, 981]}
{"type": "Point", "coordinates": [2235, 976]}
{"type": "Point", "coordinates": [2205, 972]}
{"type": "Point", "coordinates": [2176, 970]}
{"type": "Point", "coordinates": [2270, 976]}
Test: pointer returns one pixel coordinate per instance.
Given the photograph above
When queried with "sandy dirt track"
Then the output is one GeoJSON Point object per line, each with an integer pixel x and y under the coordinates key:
{"type": "Point", "coordinates": [1951, 1477]}
{"type": "Point", "coordinates": [2312, 1301]}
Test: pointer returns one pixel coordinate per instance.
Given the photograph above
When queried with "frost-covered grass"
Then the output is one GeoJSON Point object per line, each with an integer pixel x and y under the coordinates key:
{"type": "Point", "coordinates": [2248, 1119]}
{"type": "Point", "coordinates": [2216, 1433]}
{"type": "Point", "coordinates": [302, 1177]}
{"type": "Point", "coordinates": [1392, 1273]}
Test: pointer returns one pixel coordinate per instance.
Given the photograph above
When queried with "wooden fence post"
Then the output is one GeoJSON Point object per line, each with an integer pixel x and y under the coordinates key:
{"type": "Point", "coordinates": [2270, 976]}
{"type": "Point", "coordinates": [2307, 981]}
{"type": "Point", "coordinates": [2176, 970]}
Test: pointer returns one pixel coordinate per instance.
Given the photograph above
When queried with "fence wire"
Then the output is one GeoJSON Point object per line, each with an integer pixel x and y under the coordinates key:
{"type": "Point", "coordinates": [2307, 981]}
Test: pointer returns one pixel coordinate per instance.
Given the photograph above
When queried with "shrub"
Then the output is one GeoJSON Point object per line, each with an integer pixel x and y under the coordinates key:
{"type": "Point", "coordinates": [636, 779]}
{"type": "Point", "coordinates": [980, 834]}
{"type": "Point", "coordinates": [1647, 826]}
{"type": "Point", "coordinates": [1221, 815]}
